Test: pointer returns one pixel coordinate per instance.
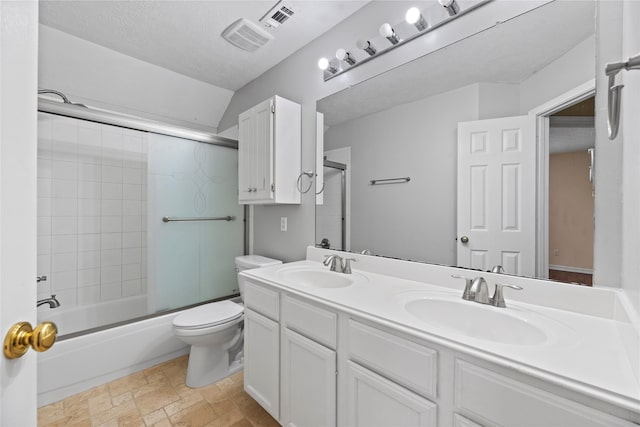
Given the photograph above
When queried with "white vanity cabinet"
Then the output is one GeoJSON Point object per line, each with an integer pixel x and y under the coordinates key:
{"type": "Point", "coordinates": [269, 148]}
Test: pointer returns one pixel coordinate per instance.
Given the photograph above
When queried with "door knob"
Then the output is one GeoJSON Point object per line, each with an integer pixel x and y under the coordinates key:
{"type": "Point", "coordinates": [464, 239]}
{"type": "Point", "coordinates": [21, 336]}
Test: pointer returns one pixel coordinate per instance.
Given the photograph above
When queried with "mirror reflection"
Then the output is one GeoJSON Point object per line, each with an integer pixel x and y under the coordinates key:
{"type": "Point", "coordinates": [437, 160]}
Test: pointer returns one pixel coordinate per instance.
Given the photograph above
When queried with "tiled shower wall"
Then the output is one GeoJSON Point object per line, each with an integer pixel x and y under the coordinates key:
{"type": "Point", "coordinates": [92, 211]}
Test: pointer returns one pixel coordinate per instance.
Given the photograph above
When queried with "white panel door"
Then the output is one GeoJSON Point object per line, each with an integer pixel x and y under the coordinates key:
{"type": "Point", "coordinates": [262, 361]}
{"type": "Point", "coordinates": [18, 144]}
{"type": "Point", "coordinates": [308, 382]}
{"type": "Point", "coordinates": [496, 195]}
{"type": "Point", "coordinates": [246, 157]}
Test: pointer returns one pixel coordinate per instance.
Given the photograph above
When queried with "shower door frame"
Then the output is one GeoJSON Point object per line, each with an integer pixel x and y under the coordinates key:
{"type": "Point", "coordinates": [343, 199]}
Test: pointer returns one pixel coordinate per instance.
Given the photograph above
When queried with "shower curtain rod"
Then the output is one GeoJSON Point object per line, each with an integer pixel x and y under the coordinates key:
{"type": "Point", "coordinates": [132, 122]}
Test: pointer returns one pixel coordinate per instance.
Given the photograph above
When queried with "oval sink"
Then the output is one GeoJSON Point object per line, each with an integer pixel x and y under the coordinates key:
{"type": "Point", "coordinates": [477, 321]}
{"type": "Point", "coordinates": [317, 278]}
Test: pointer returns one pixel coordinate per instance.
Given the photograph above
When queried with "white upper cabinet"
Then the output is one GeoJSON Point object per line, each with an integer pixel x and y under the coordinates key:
{"type": "Point", "coordinates": [269, 144]}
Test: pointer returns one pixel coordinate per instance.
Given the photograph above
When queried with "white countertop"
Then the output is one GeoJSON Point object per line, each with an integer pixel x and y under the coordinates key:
{"type": "Point", "coordinates": [584, 352]}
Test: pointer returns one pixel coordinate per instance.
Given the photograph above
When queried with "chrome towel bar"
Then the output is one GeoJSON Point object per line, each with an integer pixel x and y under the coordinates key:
{"type": "Point", "coordinates": [390, 181]}
{"type": "Point", "coordinates": [214, 218]}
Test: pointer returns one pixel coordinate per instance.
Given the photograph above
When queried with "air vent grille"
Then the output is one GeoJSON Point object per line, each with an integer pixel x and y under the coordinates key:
{"type": "Point", "coordinates": [246, 35]}
{"type": "Point", "coordinates": [277, 15]}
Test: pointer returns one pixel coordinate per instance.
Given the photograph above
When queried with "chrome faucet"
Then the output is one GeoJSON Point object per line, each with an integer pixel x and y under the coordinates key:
{"type": "Point", "coordinates": [338, 264]}
{"type": "Point", "coordinates": [476, 290]}
{"type": "Point", "coordinates": [497, 269]}
{"type": "Point", "coordinates": [53, 302]}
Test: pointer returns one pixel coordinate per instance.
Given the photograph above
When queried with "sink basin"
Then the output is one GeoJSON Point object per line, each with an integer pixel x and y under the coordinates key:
{"type": "Point", "coordinates": [478, 321]}
{"type": "Point", "coordinates": [318, 278]}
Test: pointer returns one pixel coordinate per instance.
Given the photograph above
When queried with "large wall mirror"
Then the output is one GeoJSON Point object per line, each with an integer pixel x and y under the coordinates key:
{"type": "Point", "coordinates": [401, 178]}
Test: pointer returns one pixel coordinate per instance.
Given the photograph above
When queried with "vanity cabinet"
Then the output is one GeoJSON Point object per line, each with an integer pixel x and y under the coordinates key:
{"type": "Point", "coordinates": [269, 148]}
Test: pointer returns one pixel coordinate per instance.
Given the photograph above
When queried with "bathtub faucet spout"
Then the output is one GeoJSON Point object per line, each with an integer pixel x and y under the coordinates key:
{"type": "Point", "coordinates": [53, 302]}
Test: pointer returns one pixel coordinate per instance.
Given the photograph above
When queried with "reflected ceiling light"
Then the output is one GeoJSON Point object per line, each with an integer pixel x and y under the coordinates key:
{"type": "Point", "coordinates": [367, 47]}
{"type": "Point", "coordinates": [325, 65]}
{"type": "Point", "coordinates": [451, 6]}
{"type": "Point", "coordinates": [343, 55]}
{"type": "Point", "coordinates": [414, 17]}
{"type": "Point", "coordinates": [389, 33]}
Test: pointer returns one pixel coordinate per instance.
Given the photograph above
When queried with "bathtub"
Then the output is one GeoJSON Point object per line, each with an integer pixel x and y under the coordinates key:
{"type": "Point", "coordinates": [78, 318]}
{"type": "Point", "coordinates": [80, 363]}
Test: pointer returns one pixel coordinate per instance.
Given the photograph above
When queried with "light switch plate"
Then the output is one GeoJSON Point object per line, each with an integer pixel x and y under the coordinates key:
{"type": "Point", "coordinates": [283, 223]}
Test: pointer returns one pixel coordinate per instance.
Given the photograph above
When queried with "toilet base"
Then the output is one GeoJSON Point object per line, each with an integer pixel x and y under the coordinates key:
{"type": "Point", "coordinates": [208, 365]}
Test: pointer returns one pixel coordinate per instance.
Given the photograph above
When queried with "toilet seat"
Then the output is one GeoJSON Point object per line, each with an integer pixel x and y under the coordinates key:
{"type": "Point", "coordinates": [208, 315]}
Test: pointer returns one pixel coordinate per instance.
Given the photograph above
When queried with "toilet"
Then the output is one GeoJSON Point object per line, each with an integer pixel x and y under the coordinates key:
{"type": "Point", "coordinates": [214, 332]}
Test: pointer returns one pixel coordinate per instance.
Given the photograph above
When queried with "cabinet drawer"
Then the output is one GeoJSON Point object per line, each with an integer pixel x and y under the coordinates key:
{"type": "Point", "coordinates": [410, 364]}
{"type": "Point", "coordinates": [264, 301]}
{"type": "Point", "coordinates": [493, 399]}
{"type": "Point", "coordinates": [310, 320]}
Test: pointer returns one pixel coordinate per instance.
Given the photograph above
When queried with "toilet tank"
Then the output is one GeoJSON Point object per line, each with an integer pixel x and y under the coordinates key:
{"type": "Point", "coordinates": [247, 262]}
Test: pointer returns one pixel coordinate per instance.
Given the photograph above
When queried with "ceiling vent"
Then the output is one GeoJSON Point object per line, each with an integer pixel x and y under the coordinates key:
{"type": "Point", "coordinates": [246, 35]}
{"type": "Point", "coordinates": [278, 15]}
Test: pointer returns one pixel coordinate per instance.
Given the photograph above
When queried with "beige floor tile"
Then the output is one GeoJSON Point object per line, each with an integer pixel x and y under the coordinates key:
{"type": "Point", "coordinates": [228, 413]}
{"type": "Point", "coordinates": [99, 403]}
{"type": "Point", "coordinates": [156, 399]}
{"type": "Point", "coordinates": [113, 413]}
{"type": "Point", "coordinates": [197, 415]}
{"type": "Point", "coordinates": [52, 413]}
{"type": "Point", "coordinates": [155, 417]}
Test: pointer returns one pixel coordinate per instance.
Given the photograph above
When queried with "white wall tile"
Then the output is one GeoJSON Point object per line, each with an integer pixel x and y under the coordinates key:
{"type": "Point", "coordinates": [66, 297]}
{"type": "Point", "coordinates": [44, 226]}
{"type": "Point", "coordinates": [111, 191]}
{"type": "Point", "coordinates": [131, 192]}
{"type": "Point", "coordinates": [131, 288]}
{"type": "Point", "coordinates": [111, 224]}
{"type": "Point", "coordinates": [131, 255]}
{"type": "Point", "coordinates": [45, 168]}
{"type": "Point", "coordinates": [90, 145]}
{"type": "Point", "coordinates": [64, 262]}
{"type": "Point", "coordinates": [89, 190]}
{"type": "Point", "coordinates": [64, 244]}
{"type": "Point", "coordinates": [88, 259]}
{"type": "Point", "coordinates": [132, 207]}
{"type": "Point", "coordinates": [130, 271]}
{"type": "Point", "coordinates": [131, 223]}
{"type": "Point", "coordinates": [111, 274]}
{"type": "Point", "coordinates": [89, 224]}
{"type": "Point", "coordinates": [132, 240]}
{"type": "Point", "coordinates": [112, 174]}
{"type": "Point", "coordinates": [110, 291]}
{"type": "Point", "coordinates": [111, 207]}
{"type": "Point", "coordinates": [89, 172]}
{"type": "Point", "coordinates": [111, 241]}
{"type": "Point", "coordinates": [89, 207]}
{"type": "Point", "coordinates": [63, 280]}
{"type": "Point", "coordinates": [88, 242]}
{"type": "Point", "coordinates": [44, 245]}
{"type": "Point", "coordinates": [44, 289]}
{"type": "Point", "coordinates": [44, 265]}
{"type": "Point", "coordinates": [111, 257]}
{"type": "Point", "coordinates": [44, 187]}
{"type": "Point", "coordinates": [88, 295]}
{"type": "Point", "coordinates": [143, 285]}
{"type": "Point", "coordinates": [44, 206]}
{"type": "Point", "coordinates": [132, 176]}
{"type": "Point", "coordinates": [64, 188]}
{"type": "Point", "coordinates": [64, 225]}
{"type": "Point", "coordinates": [64, 207]}
{"type": "Point", "coordinates": [112, 151]}
{"type": "Point", "coordinates": [88, 277]}
{"type": "Point", "coordinates": [66, 170]}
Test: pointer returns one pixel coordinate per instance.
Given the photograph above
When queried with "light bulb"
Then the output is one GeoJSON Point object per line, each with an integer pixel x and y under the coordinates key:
{"type": "Point", "coordinates": [451, 6]}
{"type": "Point", "coordinates": [445, 3]}
{"type": "Point", "coordinates": [387, 31]}
{"type": "Point", "coordinates": [343, 55]}
{"type": "Point", "coordinates": [366, 46]}
{"type": "Point", "coordinates": [413, 16]}
{"type": "Point", "coordinates": [323, 63]}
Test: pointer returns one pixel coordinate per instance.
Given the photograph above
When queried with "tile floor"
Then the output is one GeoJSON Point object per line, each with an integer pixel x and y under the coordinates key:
{"type": "Point", "coordinates": [158, 397]}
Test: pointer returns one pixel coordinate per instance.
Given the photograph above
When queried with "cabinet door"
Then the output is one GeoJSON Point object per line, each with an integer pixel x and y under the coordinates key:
{"type": "Point", "coordinates": [263, 118]}
{"type": "Point", "coordinates": [262, 360]}
{"type": "Point", "coordinates": [375, 401]}
{"type": "Point", "coordinates": [308, 382]}
{"type": "Point", "coordinates": [246, 158]}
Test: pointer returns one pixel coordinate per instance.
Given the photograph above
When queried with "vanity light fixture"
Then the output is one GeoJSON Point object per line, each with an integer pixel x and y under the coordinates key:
{"type": "Point", "coordinates": [451, 6]}
{"type": "Point", "coordinates": [414, 17]}
{"type": "Point", "coordinates": [343, 55]}
{"type": "Point", "coordinates": [367, 47]}
{"type": "Point", "coordinates": [387, 31]}
{"type": "Point", "coordinates": [325, 65]}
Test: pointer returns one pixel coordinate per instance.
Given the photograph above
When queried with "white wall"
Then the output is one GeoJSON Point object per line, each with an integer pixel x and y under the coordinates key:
{"type": "Point", "coordinates": [103, 78]}
{"type": "Point", "coordinates": [631, 149]}
{"type": "Point", "coordinates": [298, 79]}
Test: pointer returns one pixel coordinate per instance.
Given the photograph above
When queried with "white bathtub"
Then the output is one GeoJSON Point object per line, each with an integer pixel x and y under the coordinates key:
{"type": "Point", "coordinates": [78, 318]}
{"type": "Point", "coordinates": [77, 364]}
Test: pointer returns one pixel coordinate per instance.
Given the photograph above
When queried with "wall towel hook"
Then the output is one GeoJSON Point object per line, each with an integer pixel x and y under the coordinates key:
{"type": "Point", "coordinates": [615, 91]}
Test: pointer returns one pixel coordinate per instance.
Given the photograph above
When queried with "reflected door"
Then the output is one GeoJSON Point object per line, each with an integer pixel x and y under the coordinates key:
{"type": "Point", "coordinates": [496, 195]}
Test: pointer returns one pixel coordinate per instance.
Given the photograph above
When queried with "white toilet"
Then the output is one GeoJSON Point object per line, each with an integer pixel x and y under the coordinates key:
{"type": "Point", "coordinates": [214, 332]}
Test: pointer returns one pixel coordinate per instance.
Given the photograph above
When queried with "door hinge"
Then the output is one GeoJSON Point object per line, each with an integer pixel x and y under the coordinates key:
{"type": "Point", "coordinates": [273, 188]}
{"type": "Point", "coordinates": [273, 108]}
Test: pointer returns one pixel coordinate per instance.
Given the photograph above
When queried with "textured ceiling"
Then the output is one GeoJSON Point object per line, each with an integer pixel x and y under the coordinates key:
{"type": "Point", "coordinates": [184, 36]}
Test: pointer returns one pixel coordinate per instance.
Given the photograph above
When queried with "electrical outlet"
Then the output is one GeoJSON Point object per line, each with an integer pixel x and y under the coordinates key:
{"type": "Point", "coordinates": [556, 252]}
{"type": "Point", "coordinates": [283, 223]}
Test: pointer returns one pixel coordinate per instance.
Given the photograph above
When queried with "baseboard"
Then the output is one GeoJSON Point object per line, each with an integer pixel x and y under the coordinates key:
{"type": "Point", "coordinates": [571, 269]}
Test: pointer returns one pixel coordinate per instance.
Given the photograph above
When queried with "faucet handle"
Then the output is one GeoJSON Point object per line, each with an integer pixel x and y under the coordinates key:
{"type": "Point", "coordinates": [346, 267]}
{"type": "Point", "coordinates": [467, 286]}
{"type": "Point", "coordinates": [497, 269]}
{"type": "Point", "coordinates": [498, 296]}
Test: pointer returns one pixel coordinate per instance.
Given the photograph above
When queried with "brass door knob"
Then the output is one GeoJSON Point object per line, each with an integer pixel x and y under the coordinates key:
{"type": "Point", "coordinates": [21, 336]}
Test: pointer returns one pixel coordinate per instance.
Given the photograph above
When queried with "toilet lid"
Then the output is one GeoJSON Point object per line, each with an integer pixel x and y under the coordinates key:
{"type": "Point", "coordinates": [207, 315]}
